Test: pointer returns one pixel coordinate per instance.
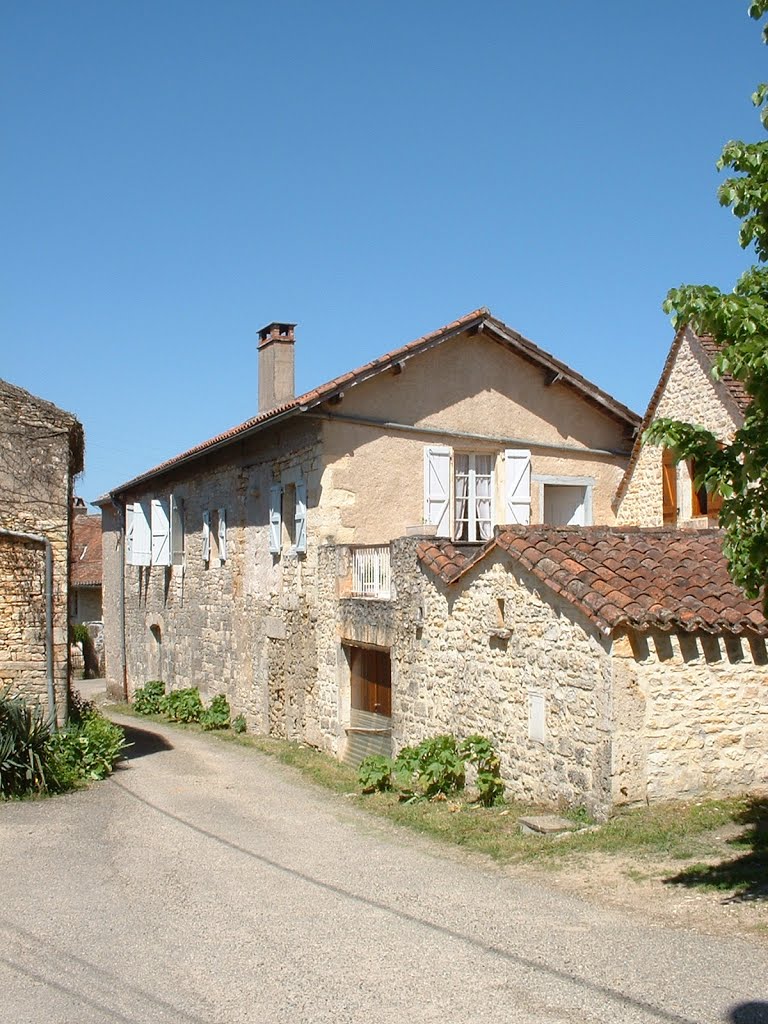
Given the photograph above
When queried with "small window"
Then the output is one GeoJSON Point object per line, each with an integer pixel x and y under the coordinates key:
{"type": "Point", "coordinates": [565, 505]}
{"type": "Point", "coordinates": [702, 502]}
{"type": "Point", "coordinates": [473, 497]}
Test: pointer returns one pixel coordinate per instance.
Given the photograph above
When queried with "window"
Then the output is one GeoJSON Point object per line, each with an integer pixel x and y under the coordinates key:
{"type": "Point", "coordinates": [703, 503]}
{"type": "Point", "coordinates": [669, 487]}
{"type": "Point", "coordinates": [154, 532]}
{"type": "Point", "coordinates": [473, 497]}
{"type": "Point", "coordinates": [214, 546]}
{"type": "Point", "coordinates": [460, 491]}
{"type": "Point", "coordinates": [565, 500]}
{"type": "Point", "coordinates": [288, 508]}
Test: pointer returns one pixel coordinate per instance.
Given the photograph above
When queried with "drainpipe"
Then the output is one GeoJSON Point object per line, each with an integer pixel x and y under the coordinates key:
{"type": "Point", "coordinates": [123, 654]}
{"type": "Point", "coordinates": [35, 538]}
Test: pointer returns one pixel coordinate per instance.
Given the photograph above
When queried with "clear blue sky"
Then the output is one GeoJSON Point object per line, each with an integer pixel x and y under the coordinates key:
{"type": "Point", "coordinates": [177, 173]}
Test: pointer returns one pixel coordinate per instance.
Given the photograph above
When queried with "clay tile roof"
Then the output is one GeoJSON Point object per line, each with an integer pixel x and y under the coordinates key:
{"type": "Point", "coordinates": [682, 583]}
{"type": "Point", "coordinates": [85, 551]}
{"type": "Point", "coordinates": [735, 388]}
{"type": "Point", "coordinates": [479, 319]}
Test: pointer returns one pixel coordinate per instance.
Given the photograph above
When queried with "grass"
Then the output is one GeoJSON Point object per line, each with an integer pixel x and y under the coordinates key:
{"type": "Point", "coordinates": [666, 832]}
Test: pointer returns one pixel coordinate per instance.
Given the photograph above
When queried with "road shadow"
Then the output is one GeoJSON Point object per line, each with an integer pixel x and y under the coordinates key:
{"type": "Point", "coordinates": [749, 1013]}
{"type": "Point", "coordinates": [744, 876]}
{"type": "Point", "coordinates": [143, 743]}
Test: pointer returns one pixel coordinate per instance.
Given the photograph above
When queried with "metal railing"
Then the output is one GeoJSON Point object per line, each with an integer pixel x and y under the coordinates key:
{"type": "Point", "coordinates": [371, 572]}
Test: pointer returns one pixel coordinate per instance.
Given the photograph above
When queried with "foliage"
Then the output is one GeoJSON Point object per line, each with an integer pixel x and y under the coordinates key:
{"type": "Point", "coordinates": [738, 321]}
{"type": "Point", "coordinates": [435, 768]}
{"type": "Point", "coordinates": [86, 751]}
{"type": "Point", "coordinates": [147, 698]}
{"type": "Point", "coordinates": [79, 709]}
{"type": "Point", "coordinates": [375, 774]}
{"type": "Point", "coordinates": [238, 724]}
{"type": "Point", "coordinates": [216, 716]}
{"type": "Point", "coordinates": [480, 752]}
{"type": "Point", "coordinates": [24, 734]}
{"type": "Point", "coordinates": [182, 705]}
{"type": "Point", "coordinates": [79, 633]}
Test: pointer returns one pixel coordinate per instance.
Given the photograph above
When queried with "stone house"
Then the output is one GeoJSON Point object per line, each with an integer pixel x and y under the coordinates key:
{"type": "Point", "coordinates": [654, 491]}
{"type": "Point", "coordinates": [214, 561]}
{"type": "Point", "coordinates": [85, 566]}
{"type": "Point", "coordinates": [41, 451]}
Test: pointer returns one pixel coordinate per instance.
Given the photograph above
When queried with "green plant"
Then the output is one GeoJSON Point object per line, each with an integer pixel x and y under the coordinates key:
{"type": "Point", "coordinates": [24, 735]}
{"type": "Point", "coordinates": [79, 633]}
{"type": "Point", "coordinates": [79, 709]}
{"type": "Point", "coordinates": [182, 705]}
{"type": "Point", "coordinates": [238, 724]}
{"type": "Point", "coordinates": [146, 700]}
{"type": "Point", "coordinates": [375, 774]}
{"type": "Point", "coordinates": [85, 751]}
{"type": "Point", "coordinates": [441, 766]}
{"type": "Point", "coordinates": [480, 752]}
{"type": "Point", "coordinates": [216, 716]}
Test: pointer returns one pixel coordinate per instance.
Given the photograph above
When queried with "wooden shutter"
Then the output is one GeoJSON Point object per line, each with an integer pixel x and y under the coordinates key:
{"type": "Point", "coordinates": [371, 681]}
{"type": "Point", "coordinates": [669, 486]}
{"type": "Point", "coordinates": [206, 536]}
{"type": "Point", "coordinates": [222, 534]}
{"type": "Point", "coordinates": [129, 535]}
{"type": "Point", "coordinates": [275, 518]}
{"type": "Point", "coordinates": [437, 488]}
{"type": "Point", "coordinates": [301, 517]}
{"type": "Point", "coordinates": [517, 486]}
{"type": "Point", "coordinates": [161, 531]}
{"type": "Point", "coordinates": [142, 534]}
{"type": "Point", "coordinates": [177, 530]}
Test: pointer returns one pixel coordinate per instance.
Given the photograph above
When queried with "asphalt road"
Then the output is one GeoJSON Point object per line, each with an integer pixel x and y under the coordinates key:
{"type": "Point", "coordinates": [204, 883]}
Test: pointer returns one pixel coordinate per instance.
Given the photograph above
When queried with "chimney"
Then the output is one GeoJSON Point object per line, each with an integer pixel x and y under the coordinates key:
{"type": "Point", "coordinates": [276, 374]}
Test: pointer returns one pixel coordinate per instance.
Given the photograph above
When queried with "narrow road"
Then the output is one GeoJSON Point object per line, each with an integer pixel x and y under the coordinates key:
{"type": "Point", "coordinates": [204, 883]}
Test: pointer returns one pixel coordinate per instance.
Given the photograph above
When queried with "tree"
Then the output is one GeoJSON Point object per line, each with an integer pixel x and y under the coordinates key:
{"type": "Point", "coordinates": [738, 321]}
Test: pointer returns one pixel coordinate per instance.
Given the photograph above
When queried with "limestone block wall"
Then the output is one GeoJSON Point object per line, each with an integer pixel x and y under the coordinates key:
{"type": "Point", "coordinates": [691, 395]}
{"type": "Point", "coordinates": [40, 450]}
{"type": "Point", "coordinates": [240, 626]}
{"type": "Point", "coordinates": [468, 659]}
{"type": "Point", "coordinates": [691, 716]}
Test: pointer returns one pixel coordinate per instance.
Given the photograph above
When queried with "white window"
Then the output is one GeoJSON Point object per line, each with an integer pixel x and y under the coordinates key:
{"type": "Point", "coordinates": [129, 534]}
{"type": "Point", "coordinates": [177, 531]}
{"type": "Point", "coordinates": [473, 497]}
{"type": "Point", "coordinates": [275, 518]}
{"type": "Point", "coordinates": [565, 501]}
{"type": "Point", "coordinates": [300, 518]}
{"type": "Point", "coordinates": [460, 491]}
{"type": "Point", "coordinates": [141, 534]}
{"type": "Point", "coordinates": [161, 531]}
{"type": "Point", "coordinates": [221, 534]}
{"type": "Point", "coordinates": [206, 536]}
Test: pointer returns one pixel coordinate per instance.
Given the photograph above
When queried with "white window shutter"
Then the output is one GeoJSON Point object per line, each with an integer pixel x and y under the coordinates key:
{"type": "Point", "coordinates": [177, 530]}
{"type": "Point", "coordinates": [129, 535]}
{"type": "Point", "coordinates": [222, 534]}
{"type": "Point", "coordinates": [437, 488]}
{"type": "Point", "coordinates": [275, 518]}
{"type": "Point", "coordinates": [161, 531]}
{"type": "Point", "coordinates": [142, 534]}
{"type": "Point", "coordinates": [301, 516]}
{"type": "Point", "coordinates": [517, 486]}
{"type": "Point", "coordinates": [206, 536]}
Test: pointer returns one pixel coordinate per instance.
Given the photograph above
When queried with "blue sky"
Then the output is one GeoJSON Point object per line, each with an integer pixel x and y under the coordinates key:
{"type": "Point", "coordinates": [176, 174]}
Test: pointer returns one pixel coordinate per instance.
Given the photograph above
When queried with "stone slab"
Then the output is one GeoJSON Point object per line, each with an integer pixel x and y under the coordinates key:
{"type": "Point", "coordinates": [546, 824]}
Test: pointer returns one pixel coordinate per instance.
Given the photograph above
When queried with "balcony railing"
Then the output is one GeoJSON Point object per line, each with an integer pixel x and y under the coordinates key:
{"type": "Point", "coordinates": [371, 572]}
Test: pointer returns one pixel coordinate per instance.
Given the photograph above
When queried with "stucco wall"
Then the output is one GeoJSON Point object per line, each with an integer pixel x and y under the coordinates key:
{"type": "Point", "coordinates": [690, 395]}
{"type": "Point", "coordinates": [39, 445]}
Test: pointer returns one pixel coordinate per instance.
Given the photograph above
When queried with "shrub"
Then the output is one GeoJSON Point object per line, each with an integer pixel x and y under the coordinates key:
{"type": "Point", "coordinates": [146, 700]}
{"type": "Point", "coordinates": [86, 751]}
{"type": "Point", "coordinates": [480, 752]}
{"type": "Point", "coordinates": [216, 716]}
{"type": "Point", "coordinates": [79, 709]}
{"type": "Point", "coordinates": [24, 735]}
{"type": "Point", "coordinates": [375, 774]}
{"type": "Point", "coordinates": [182, 705]}
{"type": "Point", "coordinates": [239, 724]}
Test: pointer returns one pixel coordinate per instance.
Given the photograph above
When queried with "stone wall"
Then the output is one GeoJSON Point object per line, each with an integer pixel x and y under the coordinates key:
{"type": "Point", "coordinates": [691, 716]}
{"type": "Point", "coordinates": [691, 395]}
{"type": "Point", "coordinates": [40, 450]}
{"type": "Point", "coordinates": [240, 626]}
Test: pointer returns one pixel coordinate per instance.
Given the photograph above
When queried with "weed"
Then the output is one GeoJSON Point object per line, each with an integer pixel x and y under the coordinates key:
{"type": "Point", "coordinates": [238, 724]}
{"type": "Point", "coordinates": [216, 716]}
{"type": "Point", "coordinates": [147, 698]}
{"type": "Point", "coordinates": [182, 705]}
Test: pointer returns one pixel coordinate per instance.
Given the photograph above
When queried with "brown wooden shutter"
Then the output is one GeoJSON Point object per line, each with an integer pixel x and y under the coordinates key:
{"type": "Point", "coordinates": [669, 485]}
{"type": "Point", "coordinates": [371, 678]}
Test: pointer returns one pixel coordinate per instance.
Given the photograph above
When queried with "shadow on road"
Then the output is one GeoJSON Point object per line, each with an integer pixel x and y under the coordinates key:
{"type": "Point", "coordinates": [142, 743]}
{"type": "Point", "coordinates": [746, 876]}
{"type": "Point", "coordinates": [749, 1013]}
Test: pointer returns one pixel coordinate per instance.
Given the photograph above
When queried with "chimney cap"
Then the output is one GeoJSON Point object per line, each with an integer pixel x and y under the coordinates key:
{"type": "Point", "coordinates": [278, 330]}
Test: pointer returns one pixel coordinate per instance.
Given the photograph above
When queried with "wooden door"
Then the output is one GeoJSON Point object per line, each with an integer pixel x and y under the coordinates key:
{"type": "Point", "coordinates": [370, 718]}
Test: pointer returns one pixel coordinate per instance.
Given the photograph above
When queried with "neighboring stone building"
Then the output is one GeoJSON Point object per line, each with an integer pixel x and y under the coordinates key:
{"type": "Point", "coordinates": [85, 566]}
{"type": "Point", "coordinates": [610, 666]}
{"type": "Point", "coordinates": [655, 491]}
{"type": "Point", "coordinates": [41, 451]}
{"type": "Point", "coordinates": [211, 560]}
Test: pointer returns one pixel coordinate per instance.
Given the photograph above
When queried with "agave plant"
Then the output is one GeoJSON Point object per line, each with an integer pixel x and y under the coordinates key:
{"type": "Point", "coordinates": [24, 733]}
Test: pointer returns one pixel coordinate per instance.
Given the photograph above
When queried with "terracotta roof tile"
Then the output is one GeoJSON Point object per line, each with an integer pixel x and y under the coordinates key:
{"type": "Point", "coordinates": [644, 578]}
{"type": "Point", "coordinates": [85, 551]}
